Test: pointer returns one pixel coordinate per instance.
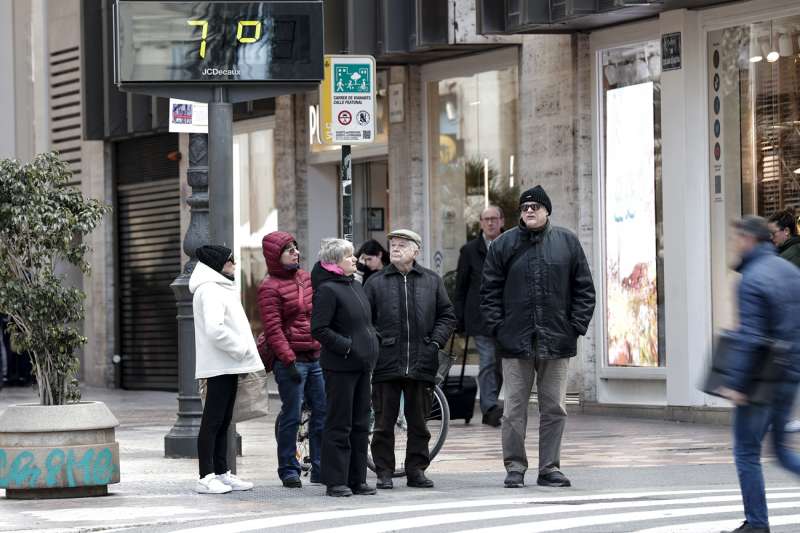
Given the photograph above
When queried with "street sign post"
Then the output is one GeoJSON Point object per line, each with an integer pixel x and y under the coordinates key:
{"type": "Point", "coordinates": [221, 53]}
{"type": "Point", "coordinates": [347, 117]}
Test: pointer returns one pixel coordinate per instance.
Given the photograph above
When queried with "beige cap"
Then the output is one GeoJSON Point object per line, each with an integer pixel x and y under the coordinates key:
{"type": "Point", "coordinates": [406, 234]}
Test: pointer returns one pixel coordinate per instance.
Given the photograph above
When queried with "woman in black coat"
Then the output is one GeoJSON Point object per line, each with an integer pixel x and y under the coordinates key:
{"type": "Point", "coordinates": [341, 321]}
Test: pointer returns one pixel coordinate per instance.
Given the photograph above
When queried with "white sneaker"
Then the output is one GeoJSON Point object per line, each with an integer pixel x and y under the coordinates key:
{"type": "Point", "coordinates": [792, 427]}
{"type": "Point", "coordinates": [230, 480]}
{"type": "Point", "coordinates": [211, 485]}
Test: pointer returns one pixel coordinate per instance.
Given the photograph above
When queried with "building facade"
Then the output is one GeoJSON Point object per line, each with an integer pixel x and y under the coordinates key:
{"type": "Point", "coordinates": [649, 136]}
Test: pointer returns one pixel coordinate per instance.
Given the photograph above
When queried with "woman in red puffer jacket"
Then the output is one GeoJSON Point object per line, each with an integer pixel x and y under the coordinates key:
{"type": "Point", "coordinates": [284, 301]}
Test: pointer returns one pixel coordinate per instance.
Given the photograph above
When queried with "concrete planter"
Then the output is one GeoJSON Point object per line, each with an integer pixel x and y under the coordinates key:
{"type": "Point", "coordinates": [58, 451]}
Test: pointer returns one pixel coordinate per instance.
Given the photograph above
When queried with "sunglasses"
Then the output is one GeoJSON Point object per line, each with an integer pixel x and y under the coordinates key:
{"type": "Point", "coordinates": [531, 206]}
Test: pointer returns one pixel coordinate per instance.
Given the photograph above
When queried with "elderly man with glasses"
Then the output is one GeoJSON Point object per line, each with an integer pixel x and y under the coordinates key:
{"type": "Point", "coordinates": [537, 297]}
{"type": "Point", "coordinates": [470, 319]}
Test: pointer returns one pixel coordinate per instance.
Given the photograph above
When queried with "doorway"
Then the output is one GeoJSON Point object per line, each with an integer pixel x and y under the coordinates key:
{"type": "Point", "coordinates": [370, 201]}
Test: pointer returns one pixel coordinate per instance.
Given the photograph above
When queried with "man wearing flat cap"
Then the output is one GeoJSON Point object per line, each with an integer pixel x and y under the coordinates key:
{"type": "Point", "coordinates": [537, 297]}
{"type": "Point", "coordinates": [414, 318]}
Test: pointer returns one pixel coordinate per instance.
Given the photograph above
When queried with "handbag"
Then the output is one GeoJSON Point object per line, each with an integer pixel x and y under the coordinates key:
{"type": "Point", "coordinates": [771, 371]}
{"type": "Point", "coordinates": [252, 398]}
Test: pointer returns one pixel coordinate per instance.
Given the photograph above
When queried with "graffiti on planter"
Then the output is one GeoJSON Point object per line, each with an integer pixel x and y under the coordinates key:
{"type": "Point", "coordinates": [74, 466]}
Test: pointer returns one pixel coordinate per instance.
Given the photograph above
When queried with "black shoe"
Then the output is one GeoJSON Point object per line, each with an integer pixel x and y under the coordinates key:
{"type": "Point", "coordinates": [553, 479]}
{"type": "Point", "coordinates": [363, 490]}
{"type": "Point", "coordinates": [514, 480]}
{"type": "Point", "coordinates": [419, 481]}
{"type": "Point", "coordinates": [745, 527]}
{"type": "Point", "coordinates": [315, 479]}
{"type": "Point", "coordinates": [493, 417]}
{"type": "Point", "coordinates": [292, 482]}
{"type": "Point", "coordinates": [385, 483]}
{"type": "Point", "coordinates": [339, 491]}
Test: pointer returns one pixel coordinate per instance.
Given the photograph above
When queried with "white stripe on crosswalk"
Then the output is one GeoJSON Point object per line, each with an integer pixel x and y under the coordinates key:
{"type": "Point", "coordinates": [599, 520]}
{"type": "Point", "coordinates": [282, 521]}
{"type": "Point", "coordinates": [705, 527]}
{"type": "Point", "coordinates": [296, 519]}
{"type": "Point", "coordinates": [453, 518]}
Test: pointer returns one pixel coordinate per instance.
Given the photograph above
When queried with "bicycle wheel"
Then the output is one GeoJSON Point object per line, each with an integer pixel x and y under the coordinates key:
{"type": "Point", "coordinates": [437, 421]}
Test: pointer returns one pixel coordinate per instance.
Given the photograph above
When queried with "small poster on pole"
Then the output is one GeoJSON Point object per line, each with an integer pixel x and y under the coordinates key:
{"type": "Point", "coordinates": [187, 117]}
{"type": "Point", "coordinates": [347, 100]}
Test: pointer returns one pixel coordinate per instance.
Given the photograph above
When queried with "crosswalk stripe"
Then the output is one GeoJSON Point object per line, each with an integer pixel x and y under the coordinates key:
{"type": "Point", "coordinates": [705, 527]}
{"type": "Point", "coordinates": [296, 519]}
{"type": "Point", "coordinates": [598, 520]}
{"type": "Point", "coordinates": [452, 518]}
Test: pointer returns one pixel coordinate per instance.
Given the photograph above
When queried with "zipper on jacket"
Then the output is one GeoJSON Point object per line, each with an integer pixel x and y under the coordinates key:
{"type": "Point", "coordinates": [408, 327]}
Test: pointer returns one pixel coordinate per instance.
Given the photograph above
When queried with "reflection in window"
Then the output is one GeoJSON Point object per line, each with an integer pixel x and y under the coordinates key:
{"type": "Point", "coordinates": [754, 136]}
{"type": "Point", "coordinates": [473, 136]}
{"type": "Point", "coordinates": [760, 66]}
{"type": "Point", "coordinates": [633, 234]}
{"type": "Point", "coordinates": [256, 212]}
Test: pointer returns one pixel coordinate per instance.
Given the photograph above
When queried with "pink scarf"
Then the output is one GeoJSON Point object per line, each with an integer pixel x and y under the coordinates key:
{"type": "Point", "coordinates": [333, 268]}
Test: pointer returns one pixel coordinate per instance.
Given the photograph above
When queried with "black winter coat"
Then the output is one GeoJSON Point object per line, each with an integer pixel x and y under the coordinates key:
{"type": "Point", "coordinates": [537, 288]}
{"type": "Point", "coordinates": [341, 321]}
{"type": "Point", "coordinates": [410, 312]}
{"type": "Point", "coordinates": [468, 287]}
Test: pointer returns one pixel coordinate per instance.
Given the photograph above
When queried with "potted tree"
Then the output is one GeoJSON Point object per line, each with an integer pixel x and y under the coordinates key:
{"type": "Point", "coordinates": [61, 447]}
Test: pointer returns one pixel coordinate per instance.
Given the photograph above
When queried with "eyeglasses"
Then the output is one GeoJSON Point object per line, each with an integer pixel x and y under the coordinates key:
{"type": "Point", "coordinates": [532, 206]}
{"type": "Point", "coordinates": [291, 250]}
{"type": "Point", "coordinates": [231, 260]}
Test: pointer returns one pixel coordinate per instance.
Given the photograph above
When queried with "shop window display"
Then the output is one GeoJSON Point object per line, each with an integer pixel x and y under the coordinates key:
{"type": "Point", "coordinates": [472, 139]}
{"type": "Point", "coordinates": [632, 205]}
{"type": "Point", "coordinates": [754, 135]}
{"type": "Point", "coordinates": [256, 212]}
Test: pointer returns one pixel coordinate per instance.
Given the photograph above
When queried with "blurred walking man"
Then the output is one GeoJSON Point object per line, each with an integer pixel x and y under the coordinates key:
{"type": "Point", "coordinates": [769, 310]}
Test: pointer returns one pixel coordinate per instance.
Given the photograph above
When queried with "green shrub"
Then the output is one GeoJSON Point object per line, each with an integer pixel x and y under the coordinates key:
{"type": "Point", "coordinates": [42, 222]}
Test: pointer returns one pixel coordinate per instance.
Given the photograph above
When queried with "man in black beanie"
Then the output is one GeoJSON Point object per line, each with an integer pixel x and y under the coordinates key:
{"type": "Point", "coordinates": [537, 297]}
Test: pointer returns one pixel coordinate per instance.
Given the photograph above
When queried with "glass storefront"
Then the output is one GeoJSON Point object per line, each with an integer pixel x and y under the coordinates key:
{"type": "Point", "coordinates": [472, 125]}
{"type": "Point", "coordinates": [255, 211]}
{"type": "Point", "coordinates": [633, 239]}
{"type": "Point", "coordinates": [754, 139]}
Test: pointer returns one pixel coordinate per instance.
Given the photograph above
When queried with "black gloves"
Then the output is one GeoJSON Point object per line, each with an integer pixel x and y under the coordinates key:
{"type": "Point", "coordinates": [294, 374]}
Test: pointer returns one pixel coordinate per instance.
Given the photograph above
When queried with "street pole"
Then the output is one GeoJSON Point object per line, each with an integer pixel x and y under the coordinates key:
{"type": "Point", "coordinates": [220, 192]}
{"type": "Point", "coordinates": [181, 441]}
{"type": "Point", "coordinates": [347, 193]}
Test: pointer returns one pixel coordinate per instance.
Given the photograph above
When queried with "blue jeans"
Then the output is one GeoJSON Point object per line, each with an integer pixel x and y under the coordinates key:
{"type": "Point", "coordinates": [750, 426]}
{"type": "Point", "coordinates": [488, 373]}
{"type": "Point", "coordinates": [311, 390]}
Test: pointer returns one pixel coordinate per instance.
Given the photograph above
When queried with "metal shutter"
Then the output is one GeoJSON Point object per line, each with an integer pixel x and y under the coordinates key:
{"type": "Point", "coordinates": [149, 240]}
{"type": "Point", "coordinates": [65, 107]}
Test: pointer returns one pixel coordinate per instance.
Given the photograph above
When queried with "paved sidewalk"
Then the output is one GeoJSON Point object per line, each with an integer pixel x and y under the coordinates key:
{"type": "Point", "coordinates": [155, 490]}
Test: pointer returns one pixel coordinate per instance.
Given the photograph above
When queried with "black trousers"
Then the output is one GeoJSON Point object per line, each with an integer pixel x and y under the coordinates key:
{"type": "Point", "coordinates": [212, 441]}
{"type": "Point", "coordinates": [345, 440]}
{"type": "Point", "coordinates": [417, 397]}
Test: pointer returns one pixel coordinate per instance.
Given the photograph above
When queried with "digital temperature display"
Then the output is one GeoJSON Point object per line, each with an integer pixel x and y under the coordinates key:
{"type": "Point", "coordinates": [213, 42]}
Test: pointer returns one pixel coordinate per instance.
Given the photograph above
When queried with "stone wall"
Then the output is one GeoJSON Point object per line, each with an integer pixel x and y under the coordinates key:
{"type": "Point", "coordinates": [406, 155]}
{"type": "Point", "coordinates": [555, 150]}
{"type": "Point", "coordinates": [99, 325]}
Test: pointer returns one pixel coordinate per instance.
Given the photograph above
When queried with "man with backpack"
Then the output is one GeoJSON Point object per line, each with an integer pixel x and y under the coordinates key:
{"type": "Point", "coordinates": [537, 297]}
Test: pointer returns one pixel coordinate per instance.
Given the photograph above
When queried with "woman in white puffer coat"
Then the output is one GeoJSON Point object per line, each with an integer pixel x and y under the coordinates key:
{"type": "Point", "coordinates": [224, 349]}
